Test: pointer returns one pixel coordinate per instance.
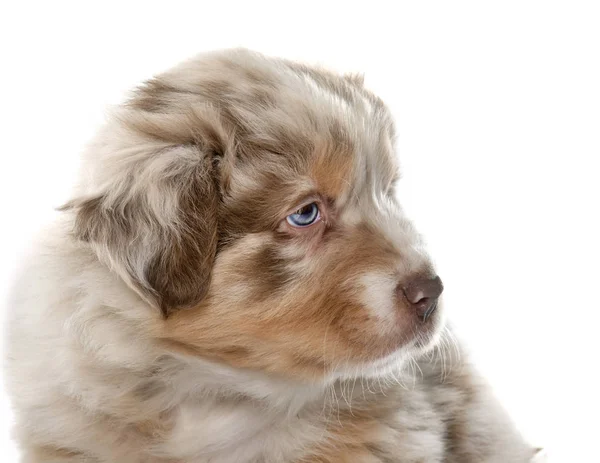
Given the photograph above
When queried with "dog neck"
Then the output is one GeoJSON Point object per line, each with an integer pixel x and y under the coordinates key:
{"type": "Point", "coordinates": [231, 414]}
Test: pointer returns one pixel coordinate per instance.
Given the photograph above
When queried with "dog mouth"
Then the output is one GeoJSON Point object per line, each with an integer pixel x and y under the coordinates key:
{"type": "Point", "coordinates": [429, 311]}
{"type": "Point", "coordinates": [401, 351]}
{"type": "Point", "coordinates": [424, 335]}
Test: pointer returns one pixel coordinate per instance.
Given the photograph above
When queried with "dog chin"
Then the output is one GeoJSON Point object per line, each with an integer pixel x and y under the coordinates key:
{"type": "Point", "coordinates": [392, 365]}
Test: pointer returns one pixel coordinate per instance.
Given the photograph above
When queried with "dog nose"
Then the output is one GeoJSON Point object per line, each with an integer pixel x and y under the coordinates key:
{"type": "Point", "coordinates": [423, 295]}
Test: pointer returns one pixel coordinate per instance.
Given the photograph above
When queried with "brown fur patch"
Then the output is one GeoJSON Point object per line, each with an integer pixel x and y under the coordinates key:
{"type": "Point", "coordinates": [333, 164]}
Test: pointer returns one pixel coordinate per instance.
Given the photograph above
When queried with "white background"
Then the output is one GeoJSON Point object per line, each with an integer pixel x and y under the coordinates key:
{"type": "Point", "coordinates": [498, 110]}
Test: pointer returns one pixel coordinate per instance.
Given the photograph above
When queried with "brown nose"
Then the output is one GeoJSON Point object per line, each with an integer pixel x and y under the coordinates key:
{"type": "Point", "coordinates": [423, 295]}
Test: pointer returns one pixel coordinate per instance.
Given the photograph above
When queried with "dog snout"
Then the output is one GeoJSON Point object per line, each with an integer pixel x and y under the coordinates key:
{"type": "Point", "coordinates": [422, 294]}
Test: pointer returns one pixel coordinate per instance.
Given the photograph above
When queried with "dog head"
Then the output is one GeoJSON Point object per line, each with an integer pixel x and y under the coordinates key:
{"type": "Point", "coordinates": [251, 201]}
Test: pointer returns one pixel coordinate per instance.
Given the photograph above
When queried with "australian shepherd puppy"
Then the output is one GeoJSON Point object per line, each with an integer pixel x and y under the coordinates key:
{"type": "Point", "coordinates": [234, 280]}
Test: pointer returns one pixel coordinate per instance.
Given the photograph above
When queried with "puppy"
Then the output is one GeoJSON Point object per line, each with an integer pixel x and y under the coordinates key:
{"type": "Point", "coordinates": [235, 281]}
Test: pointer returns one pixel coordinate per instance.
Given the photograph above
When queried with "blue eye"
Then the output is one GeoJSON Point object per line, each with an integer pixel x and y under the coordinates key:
{"type": "Point", "coordinates": [304, 216]}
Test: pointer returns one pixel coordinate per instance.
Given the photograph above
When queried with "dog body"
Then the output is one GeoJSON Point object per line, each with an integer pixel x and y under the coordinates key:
{"type": "Point", "coordinates": [234, 281]}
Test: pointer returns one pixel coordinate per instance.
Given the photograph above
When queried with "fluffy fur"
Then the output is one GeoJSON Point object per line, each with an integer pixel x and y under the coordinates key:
{"type": "Point", "coordinates": [172, 314]}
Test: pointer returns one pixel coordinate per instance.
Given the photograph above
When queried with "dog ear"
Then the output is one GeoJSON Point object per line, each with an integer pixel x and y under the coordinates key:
{"type": "Point", "coordinates": [154, 220]}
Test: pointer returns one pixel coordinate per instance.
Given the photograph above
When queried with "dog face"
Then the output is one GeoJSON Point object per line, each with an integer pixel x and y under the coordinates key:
{"type": "Point", "coordinates": [252, 200]}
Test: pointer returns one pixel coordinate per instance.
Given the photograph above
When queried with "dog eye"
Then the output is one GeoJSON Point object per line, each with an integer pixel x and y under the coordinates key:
{"type": "Point", "coordinates": [304, 216]}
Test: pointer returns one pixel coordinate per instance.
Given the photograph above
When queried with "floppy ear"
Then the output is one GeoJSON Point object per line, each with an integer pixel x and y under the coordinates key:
{"type": "Point", "coordinates": [154, 219]}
